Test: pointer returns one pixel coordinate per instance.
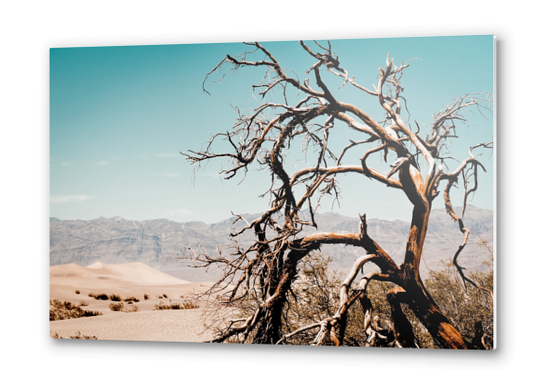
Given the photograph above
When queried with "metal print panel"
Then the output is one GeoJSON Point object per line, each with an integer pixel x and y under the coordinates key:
{"type": "Point", "coordinates": [327, 193]}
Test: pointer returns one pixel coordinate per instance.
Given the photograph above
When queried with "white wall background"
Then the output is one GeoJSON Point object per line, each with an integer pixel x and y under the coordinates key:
{"type": "Point", "coordinates": [29, 28]}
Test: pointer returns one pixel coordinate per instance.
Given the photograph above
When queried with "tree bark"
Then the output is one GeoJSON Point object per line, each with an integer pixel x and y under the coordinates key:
{"type": "Point", "coordinates": [401, 326]}
{"type": "Point", "coordinates": [416, 296]}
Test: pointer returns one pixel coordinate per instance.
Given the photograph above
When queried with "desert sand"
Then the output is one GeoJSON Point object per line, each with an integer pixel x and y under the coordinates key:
{"type": "Point", "coordinates": [127, 280]}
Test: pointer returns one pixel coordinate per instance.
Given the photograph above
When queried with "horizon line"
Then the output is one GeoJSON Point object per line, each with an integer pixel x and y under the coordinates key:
{"type": "Point", "coordinates": [54, 218]}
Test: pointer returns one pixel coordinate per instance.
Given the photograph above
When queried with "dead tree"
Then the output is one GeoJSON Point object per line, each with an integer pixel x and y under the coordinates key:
{"type": "Point", "coordinates": [258, 278]}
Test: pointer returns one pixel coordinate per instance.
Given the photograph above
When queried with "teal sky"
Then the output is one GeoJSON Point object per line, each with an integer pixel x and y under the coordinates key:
{"type": "Point", "coordinates": [120, 115]}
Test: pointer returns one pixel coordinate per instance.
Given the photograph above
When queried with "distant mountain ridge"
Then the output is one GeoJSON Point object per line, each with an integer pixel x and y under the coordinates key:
{"type": "Point", "coordinates": [159, 243]}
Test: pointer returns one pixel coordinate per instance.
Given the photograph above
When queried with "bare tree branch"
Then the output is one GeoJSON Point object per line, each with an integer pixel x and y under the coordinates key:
{"type": "Point", "coordinates": [257, 278]}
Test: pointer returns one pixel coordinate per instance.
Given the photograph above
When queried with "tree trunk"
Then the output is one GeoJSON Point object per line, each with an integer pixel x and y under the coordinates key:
{"type": "Point", "coordinates": [269, 329]}
{"type": "Point", "coordinates": [417, 297]}
{"type": "Point", "coordinates": [402, 328]}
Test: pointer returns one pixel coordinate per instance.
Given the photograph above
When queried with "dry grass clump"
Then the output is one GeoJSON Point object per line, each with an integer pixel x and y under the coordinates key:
{"type": "Point", "coordinates": [186, 305]}
{"type": "Point", "coordinates": [133, 298]}
{"type": "Point", "coordinates": [99, 296]}
{"type": "Point", "coordinates": [78, 335]}
{"type": "Point", "coordinates": [63, 310]}
{"type": "Point", "coordinates": [114, 297]}
{"type": "Point", "coordinates": [119, 307]}
{"type": "Point", "coordinates": [190, 305]}
{"type": "Point", "coordinates": [116, 306]}
{"type": "Point", "coordinates": [105, 296]}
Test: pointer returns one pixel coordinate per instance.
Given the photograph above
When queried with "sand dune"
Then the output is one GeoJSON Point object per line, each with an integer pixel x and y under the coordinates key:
{"type": "Point", "coordinates": [135, 272]}
{"type": "Point", "coordinates": [184, 325]}
{"type": "Point", "coordinates": [127, 280]}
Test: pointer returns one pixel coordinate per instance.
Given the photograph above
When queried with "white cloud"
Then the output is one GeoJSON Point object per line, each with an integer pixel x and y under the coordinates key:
{"type": "Point", "coordinates": [102, 163]}
{"type": "Point", "coordinates": [69, 198]}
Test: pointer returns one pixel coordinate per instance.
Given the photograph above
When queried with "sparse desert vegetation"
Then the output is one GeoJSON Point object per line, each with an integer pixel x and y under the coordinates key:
{"type": "Point", "coordinates": [124, 321]}
{"type": "Point", "coordinates": [132, 298]}
{"type": "Point", "coordinates": [63, 310]}
{"type": "Point", "coordinates": [119, 307]}
{"type": "Point", "coordinates": [186, 305]}
{"type": "Point", "coordinates": [78, 335]}
{"type": "Point", "coordinates": [112, 297]}
{"type": "Point", "coordinates": [116, 306]}
{"type": "Point", "coordinates": [99, 296]}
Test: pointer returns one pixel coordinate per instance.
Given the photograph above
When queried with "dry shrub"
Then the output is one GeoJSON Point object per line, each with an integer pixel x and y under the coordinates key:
{"type": "Point", "coordinates": [99, 296]}
{"type": "Point", "coordinates": [133, 298]}
{"type": "Point", "coordinates": [63, 310]}
{"type": "Point", "coordinates": [77, 335]}
{"type": "Point", "coordinates": [186, 305]}
{"type": "Point", "coordinates": [119, 307]}
{"type": "Point", "coordinates": [116, 306]}
{"type": "Point", "coordinates": [135, 308]}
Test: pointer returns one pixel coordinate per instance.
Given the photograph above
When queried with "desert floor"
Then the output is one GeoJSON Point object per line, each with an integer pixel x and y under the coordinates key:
{"type": "Point", "coordinates": [127, 280]}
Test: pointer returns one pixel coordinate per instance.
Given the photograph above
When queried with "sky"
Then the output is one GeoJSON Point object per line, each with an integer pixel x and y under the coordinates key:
{"type": "Point", "coordinates": [120, 116]}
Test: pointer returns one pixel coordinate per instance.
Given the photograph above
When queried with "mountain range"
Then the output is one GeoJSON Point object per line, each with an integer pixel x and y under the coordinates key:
{"type": "Point", "coordinates": [160, 243]}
